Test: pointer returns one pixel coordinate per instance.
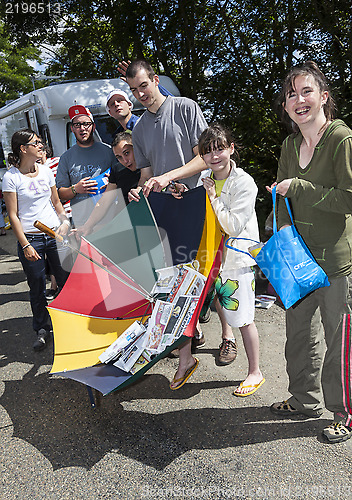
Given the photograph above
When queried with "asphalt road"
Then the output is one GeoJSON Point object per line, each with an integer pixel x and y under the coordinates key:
{"type": "Point", "coordinates": [149, 442]}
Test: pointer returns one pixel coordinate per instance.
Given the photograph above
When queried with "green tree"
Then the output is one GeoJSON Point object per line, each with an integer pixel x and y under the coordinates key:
{"type": "Point", "coordinates": [228, 55]}
{"type": "Point", "coordinates": [15, 72]}
{"type": "Point", "coordinates": [31, 22]}
{"type": "Point", "coordinates": [332, 23]}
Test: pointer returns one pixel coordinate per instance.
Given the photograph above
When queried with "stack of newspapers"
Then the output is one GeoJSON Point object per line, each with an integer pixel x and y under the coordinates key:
{"type": "Point", "coordinates": [264, 301]}
{"type": "Point", "coordinates": [182, 286]}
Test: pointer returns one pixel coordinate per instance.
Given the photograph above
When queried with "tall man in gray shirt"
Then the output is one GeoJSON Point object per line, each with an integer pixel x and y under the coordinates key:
{"type": "Point", "coordinates": [165, 144]}
{"type": "Point", "coordinates": [165, 139]}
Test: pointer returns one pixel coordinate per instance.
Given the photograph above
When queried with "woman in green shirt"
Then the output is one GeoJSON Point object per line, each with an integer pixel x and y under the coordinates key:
{"type": "Point", "coordinates": [315, 173]}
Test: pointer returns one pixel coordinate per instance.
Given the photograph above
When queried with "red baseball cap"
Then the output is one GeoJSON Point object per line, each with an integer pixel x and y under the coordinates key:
{"type": "Point", "coordinates": [79, 110]}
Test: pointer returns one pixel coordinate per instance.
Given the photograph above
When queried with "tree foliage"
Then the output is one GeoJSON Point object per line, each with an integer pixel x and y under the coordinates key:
{"type": "Point", "coordinates": [228, 55]}
{"type": "Point", "coordinates": [29, 22]}
{"type": "Point", "coordinates": [15, 72]}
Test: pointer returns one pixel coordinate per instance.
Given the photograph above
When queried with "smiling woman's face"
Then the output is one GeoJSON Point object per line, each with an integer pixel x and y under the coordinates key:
{"type": "Point", "coordinates": [304, 103]}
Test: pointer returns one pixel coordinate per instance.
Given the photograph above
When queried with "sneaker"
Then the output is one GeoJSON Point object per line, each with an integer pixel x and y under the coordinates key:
{"type": "Point", "coordinates": [197, 343]}
{"type": "Point", "coordinates": [51, 294]}
{"type": "Point", "coordinates": [228, 352]}
{"type": "Point", "coordinates": [40, 342]}
{"type": "Point", "coordinates": [206, 317]}
{"type": "Point", "coordinates": [337, 432]}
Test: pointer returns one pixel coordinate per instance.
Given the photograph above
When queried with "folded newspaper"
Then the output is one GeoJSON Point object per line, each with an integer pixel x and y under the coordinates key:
{"type": "Point", "coordinates": [135, 347]}
{"type": "Point", "coordinates": [264, 301]}
{"type": "Point", "coordinates": [127, 338]}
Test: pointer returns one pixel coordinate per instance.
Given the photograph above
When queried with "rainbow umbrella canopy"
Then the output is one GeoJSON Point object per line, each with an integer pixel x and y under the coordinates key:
{"type": "Point", "coordinates": [110, 285]}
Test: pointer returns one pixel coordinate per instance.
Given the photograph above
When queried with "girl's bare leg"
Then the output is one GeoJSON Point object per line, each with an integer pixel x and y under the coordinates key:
{"type": "Point", "coordinates": [227, 332]}
{"type": "Point", "coordinates": [186, 361]}
{"type": "Point", "coordinates": [251, 344]}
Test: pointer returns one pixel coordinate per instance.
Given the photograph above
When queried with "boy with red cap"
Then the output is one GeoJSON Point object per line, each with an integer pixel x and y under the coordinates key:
{"type": "Point", "coordinates": [81, 163]}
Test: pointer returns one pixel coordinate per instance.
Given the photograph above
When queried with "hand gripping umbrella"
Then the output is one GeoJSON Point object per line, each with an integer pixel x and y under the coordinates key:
{"type": "Point", "coordinates": [115, 270]}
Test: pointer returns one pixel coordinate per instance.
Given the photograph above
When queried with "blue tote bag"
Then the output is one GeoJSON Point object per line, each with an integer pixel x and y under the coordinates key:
{"type": "Point", "coordinates": [288, 263]}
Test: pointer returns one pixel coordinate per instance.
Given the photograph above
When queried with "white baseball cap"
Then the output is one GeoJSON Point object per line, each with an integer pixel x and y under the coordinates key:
{"type": "Point", "coordinates": [117, 92]}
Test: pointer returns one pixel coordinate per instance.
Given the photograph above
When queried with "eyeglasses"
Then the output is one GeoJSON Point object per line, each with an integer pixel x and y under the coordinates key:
{"type": "Point", "coordinates": [83, 124]}
{"type": "Point", "coordinates": [35, 143]}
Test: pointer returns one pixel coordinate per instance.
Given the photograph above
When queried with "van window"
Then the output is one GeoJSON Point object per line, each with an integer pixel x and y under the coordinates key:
{"type": "Point", "coordinates": [71, 139]}
{"type": "Point", "coordinates": [106, 127]}
{"type": "Point", "coordinates": [45, 135]}
{"type": "Point", "coordinates": [2, 170]}
{"type": "Point", "coordinates": [2, 157]}
{"type": "Point", "coordinates": [27, 120]}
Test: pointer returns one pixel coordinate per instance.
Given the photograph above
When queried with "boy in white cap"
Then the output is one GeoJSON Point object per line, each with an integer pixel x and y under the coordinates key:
{"type": "Point", "coordinates": [79, 164]}
{"type": "Point", "coordinates": [119, 106]}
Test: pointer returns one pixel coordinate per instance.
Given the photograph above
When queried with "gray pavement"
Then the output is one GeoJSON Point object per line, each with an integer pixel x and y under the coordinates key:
{"type": "Point", "coordinates": [149, 442]}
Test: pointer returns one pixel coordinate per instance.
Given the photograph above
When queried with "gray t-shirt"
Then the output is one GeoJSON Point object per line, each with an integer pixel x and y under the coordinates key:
{"type": "Point", "coordinates": [77, 163]}
{"type": "Point", "coordinates": [165, 140]}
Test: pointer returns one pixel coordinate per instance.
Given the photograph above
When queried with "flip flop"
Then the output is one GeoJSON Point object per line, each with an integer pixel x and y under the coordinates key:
{"type": "Point", "coordinates": [185, 377]}
{"type": "Point", "coordinates": [254, 387]}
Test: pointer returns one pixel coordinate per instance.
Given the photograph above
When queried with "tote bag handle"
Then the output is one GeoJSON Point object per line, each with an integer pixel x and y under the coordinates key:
{"type": "Point", "coordinates": [273, 194]}
{"type": "Point", "coordinates": [227, 245]}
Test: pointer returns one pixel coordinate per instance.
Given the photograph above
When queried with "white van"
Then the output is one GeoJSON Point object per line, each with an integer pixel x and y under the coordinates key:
{"type": "Point", "coordinates": [46, 111]}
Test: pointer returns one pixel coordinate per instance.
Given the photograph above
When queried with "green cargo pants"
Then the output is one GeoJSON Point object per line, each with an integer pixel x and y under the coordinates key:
{"type": "Point", "coordinates": [318, 351]}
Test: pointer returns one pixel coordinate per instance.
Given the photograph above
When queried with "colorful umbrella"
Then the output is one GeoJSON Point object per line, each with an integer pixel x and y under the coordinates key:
{"type": "Point", "coordinates": [110, 284]}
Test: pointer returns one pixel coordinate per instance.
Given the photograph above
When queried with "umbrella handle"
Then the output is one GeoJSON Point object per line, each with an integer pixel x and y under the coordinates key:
{"type": "Point", "coordinates": [45, 229]}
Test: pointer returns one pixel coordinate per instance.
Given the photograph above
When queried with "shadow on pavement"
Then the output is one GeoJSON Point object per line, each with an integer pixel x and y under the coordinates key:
{"type": "Point", "coordinates": [54, 416]}
{"type": "Point", "coordinates": [14, 297]}
{"type": "Point", "coordinates": [12, 278]}
{"type": "Point", "coordinates": [4, 252]}
{"type": "Point", "coordinates": [16, 339]}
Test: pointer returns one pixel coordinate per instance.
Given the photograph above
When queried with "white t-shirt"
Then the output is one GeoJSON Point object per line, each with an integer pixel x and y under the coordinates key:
{"type": "Point", "coordinates": [52, 163]}
{"type": "Point", "coordinates": [33, 197]}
